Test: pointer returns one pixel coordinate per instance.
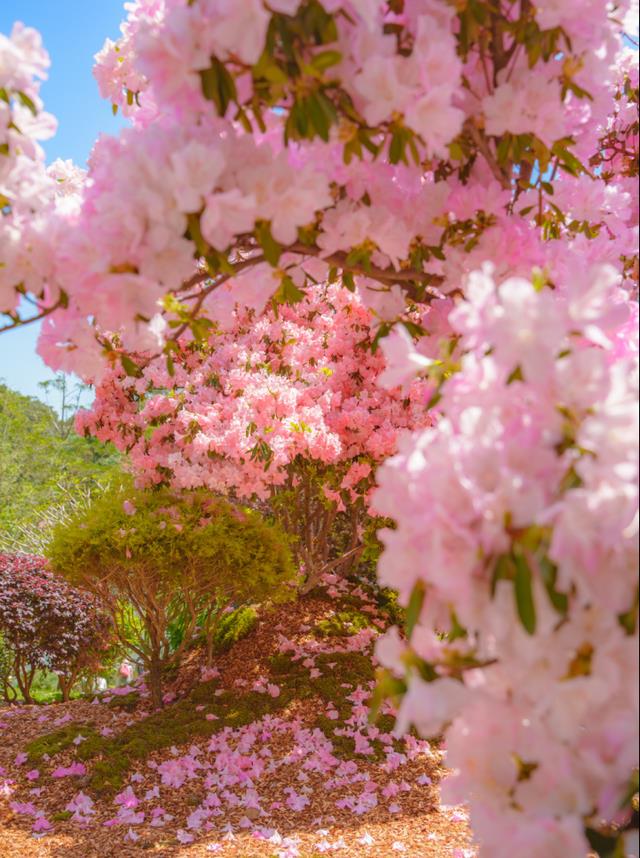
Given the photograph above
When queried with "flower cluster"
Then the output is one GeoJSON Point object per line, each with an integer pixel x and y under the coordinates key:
{"type": "Point", "coordinates": [297, 381]}
{"type": "Point", "coordinates": [413, 129]}
{"type": "Point", "coordinates": [33, 199]}
{"type": "Point", "coordinates": [516, 541]}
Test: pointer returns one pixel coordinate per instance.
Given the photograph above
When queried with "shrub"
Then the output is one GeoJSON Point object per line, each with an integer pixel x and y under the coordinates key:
{"type": "Point", "coordinates": [46, 624]}
{"type": "Point", "coordinates": [162, 562]}
{"type": "Point", "coordinates": [233, 627]}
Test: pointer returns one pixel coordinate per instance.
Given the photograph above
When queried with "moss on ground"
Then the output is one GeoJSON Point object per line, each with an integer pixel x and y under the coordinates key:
{"type": "Point", "coordinates": [61, 815]}
{"type": "Point", "coordinates": [126, 702]}
{"type": "Point", "coordinates": [178, 724]}
{"type": "Point", "coordinates": [59, 740]}
{"type": "Point", "coordinates": [343, 624]}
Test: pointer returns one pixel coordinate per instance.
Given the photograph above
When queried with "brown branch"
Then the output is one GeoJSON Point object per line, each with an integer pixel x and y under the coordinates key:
{"type": "Point", "coordinates": [483, 147]}
{"type": "Point", "coordinates": [21, 323]}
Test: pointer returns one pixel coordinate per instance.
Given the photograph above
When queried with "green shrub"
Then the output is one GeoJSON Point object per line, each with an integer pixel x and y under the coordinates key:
{"type": "Point", "coordinates": [164, 564]}
{"type": "Point", "coordinates": [233, 627]}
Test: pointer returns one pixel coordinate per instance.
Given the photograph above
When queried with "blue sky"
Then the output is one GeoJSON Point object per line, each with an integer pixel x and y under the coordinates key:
{"type": "Point", "coordinates": [73, 31]}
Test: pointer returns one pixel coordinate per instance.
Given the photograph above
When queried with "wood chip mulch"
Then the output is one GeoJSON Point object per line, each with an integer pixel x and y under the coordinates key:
{"type": "Point", "coordinates": [416, 827]}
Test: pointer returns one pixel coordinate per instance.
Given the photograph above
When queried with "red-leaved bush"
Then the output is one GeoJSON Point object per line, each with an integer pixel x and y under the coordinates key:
{"type": "Point", "coordinates": [47, 624]}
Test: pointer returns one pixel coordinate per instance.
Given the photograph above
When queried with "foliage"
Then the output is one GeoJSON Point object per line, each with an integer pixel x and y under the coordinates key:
{"type": "Point", "coordinates": [6, 671]}
{"type": "Point", "coordinates": [42, 469]}
{"type": "Point", "coordinates": [47, 624]}
{"type": "Point", "coordinates": [233, 627]}
{"type": "Point", "coordinates": [159, 558]}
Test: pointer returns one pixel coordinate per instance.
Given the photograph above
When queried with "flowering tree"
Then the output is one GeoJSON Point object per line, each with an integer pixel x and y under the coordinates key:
{"type": "Point", "coordinates": [157, 559]}
{"type": "Point", "coordinates": [284, 408]}
{"type": "Point", "coordinates": [403, 144]}
{"type": "Point", "coordinates": [47, 624]}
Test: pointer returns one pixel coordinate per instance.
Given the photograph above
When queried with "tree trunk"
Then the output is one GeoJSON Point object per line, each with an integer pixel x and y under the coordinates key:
{"type": "Point", "coordinates": [65, 684]}
{"type": "Point", "coordinates": [25, 675]}
{"type": "Point", "coordinates": [9, 693]}
{"type": "Point", "coordinates": [155, 681]}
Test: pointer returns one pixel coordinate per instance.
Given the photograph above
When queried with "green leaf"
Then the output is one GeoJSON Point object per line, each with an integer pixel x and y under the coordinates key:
{"type": "Point", "coordinates": [348, 281]}
{"type": "Point", "coordinates": [326, 59]}
{"type": "Point", "coordinates": [396, 148]}
{"type": "Point", "coordinates": [387, 686]}
{"type": "Point", "coordinates": [413, 328]}
{"type": "Point", "coordinates": [629, 620]}
{"type": "Point", "coordinates": [523, 588]}
{"type": "Point", "coordinates": [456, 152]}
{"type": "Point", "coordinates": [218, 85]}
{"type": "Point", "coordinates": [267, 68]}
{"type": "Point", "coordinates": [319, 119]}
{"type": "Point", "coordinates": [515, 375]}
{"type": "Point", "coordinates": [130, 367]}
{"type": "Point", "coordinates": [27, 102]}
{"type": "Point", "coordinates": [243, 119]}
{"type": "Point", "coordinates": [270, 247]}
{"type": "Point", "coordinates": [503, 148]}
{"type": "Point", "coordinates": [193, 223]}
{"type": "Point", "coordinates": [568, 160]}
{"type": "Point", "coordinates": [502, 571]}
{"type": "Point", "coordinates": [434, 400]}
{"type": "Point", "coordinates": [414, 608]}
{"type": "Point", "coordinates": [605, 845]}
{"type": "Point", "coordinates": [549, 573]}
{"type": "Point", "coordinates": [288, 293]}
{"type": "Point", "coordinates": [457, 630]}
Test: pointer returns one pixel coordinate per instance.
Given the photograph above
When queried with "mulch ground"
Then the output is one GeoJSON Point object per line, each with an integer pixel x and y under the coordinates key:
{"type": "Point", "coordinates": [408, 821]}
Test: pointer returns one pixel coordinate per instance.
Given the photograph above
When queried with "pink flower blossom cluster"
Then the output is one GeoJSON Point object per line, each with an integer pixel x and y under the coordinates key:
{"type": "Point", "coordinates": [191, 184]}
{"type": "Point", "coordinates": [517, 541]}
{"type": "Point", "coordinates": [296, 382]}
{"type": "Point", "coordinates": [32, 197]}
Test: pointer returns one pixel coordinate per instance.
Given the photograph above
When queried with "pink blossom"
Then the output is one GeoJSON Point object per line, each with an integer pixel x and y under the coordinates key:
{"type": "Point", "coordinates": [74, 770]}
